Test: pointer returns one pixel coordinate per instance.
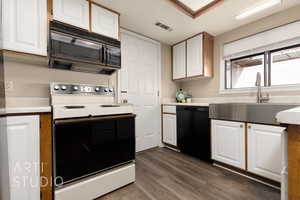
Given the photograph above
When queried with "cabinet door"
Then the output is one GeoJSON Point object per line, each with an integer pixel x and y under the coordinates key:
{"type": "Point", "coordinates": [105, 22]}
{"type": "Point", "coordinates": [73, 12]}
{"type": "Point", "coordinates": [228, 143]}
{"type": "Point", "coordinates": [265, 150]}
{"type": "Point", "coordinates": [23, 157]}
{"type": "Point", "coordinates": [169, 129]}
{"type": "Point", "coordinates": [195, 56]}
{"type": "Point", "coordinates": [25, 26]}
{"type": "Point", "coordinates": [179, 61]}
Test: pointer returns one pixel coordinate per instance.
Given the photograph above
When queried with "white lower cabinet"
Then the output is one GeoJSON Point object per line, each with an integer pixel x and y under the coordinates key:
{"type": "Point", "coordinates": [169, 129]}
{"type": "Point", "coordinates": [21, 135]}
{"type": "Point", "coordinates": [265, 150]}
{"type": "Point", "coordinates": [228, 142]}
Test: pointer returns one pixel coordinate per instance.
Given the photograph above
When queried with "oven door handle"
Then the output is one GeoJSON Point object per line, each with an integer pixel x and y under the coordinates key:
{"type": "Point", "coordinates": [91, 119]}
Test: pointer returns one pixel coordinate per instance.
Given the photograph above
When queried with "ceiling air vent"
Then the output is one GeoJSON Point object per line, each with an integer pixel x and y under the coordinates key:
{"type": "Point", "coordinates": [163, 26]}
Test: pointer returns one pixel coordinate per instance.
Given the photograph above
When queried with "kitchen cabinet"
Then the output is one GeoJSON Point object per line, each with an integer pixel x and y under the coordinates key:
{"type": "Point", "coordinates": [179, 61]}
{"type": "Point", "coordinates": [169, 129]}
{"type": "Point", "coordinates": [194, 54]}
{"type": "Point", "coordinates": [25, 26]}
{"type": "Point", "coordinates": [265, 150]}
{"type": "Point", "coordinates": [73, 12]}
{"type": "Point", "coordinates": [104, 21]}
{"type": "Point", "coordinates": [193, 58]}
{"type": "Point", "coordinates": [23, 153]}
{"type": "Point", "coordinates": [228, 142]}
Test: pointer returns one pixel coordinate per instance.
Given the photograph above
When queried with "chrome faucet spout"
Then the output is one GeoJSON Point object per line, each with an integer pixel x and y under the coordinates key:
{"type": "Point", "coordinates": [259, 96]}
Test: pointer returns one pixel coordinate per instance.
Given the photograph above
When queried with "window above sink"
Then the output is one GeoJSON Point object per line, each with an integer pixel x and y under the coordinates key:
{"type": "Point", "coordinates": [274, 53]}
{"type": "Point", "coordinates": [277, 67]}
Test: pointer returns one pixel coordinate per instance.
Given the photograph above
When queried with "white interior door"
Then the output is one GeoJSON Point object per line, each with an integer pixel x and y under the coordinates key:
{"type": "Point", "coordinates": [139, 84]}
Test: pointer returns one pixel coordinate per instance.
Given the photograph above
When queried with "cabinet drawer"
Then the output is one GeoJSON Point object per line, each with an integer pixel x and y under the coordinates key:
{"type": "Point", "coordinates": [169, 109]}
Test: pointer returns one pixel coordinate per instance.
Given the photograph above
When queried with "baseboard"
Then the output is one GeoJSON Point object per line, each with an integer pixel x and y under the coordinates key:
{"type": "Point", "coordinates": [247, 176]}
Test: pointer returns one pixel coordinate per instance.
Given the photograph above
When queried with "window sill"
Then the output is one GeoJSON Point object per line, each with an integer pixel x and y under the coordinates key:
{"type": "Point", "coordinates": [281, 88]}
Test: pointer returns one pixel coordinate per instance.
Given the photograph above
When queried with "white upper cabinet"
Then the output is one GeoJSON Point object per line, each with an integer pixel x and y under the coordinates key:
{"type": "Point", "coordinates": [73, 12]}
{"type": "Point", "coordinates": [265, 150]}
{"type": "Point", "coordinates": [105, 22]}
{"type": "Point", "coordinates": [25, 26]}
{"type": "Point", "coordinates": [228, 143]}
{"type": "Point", "coordinates": [195, 56]}
{"type": "Point", "coordinates": [179, 61]}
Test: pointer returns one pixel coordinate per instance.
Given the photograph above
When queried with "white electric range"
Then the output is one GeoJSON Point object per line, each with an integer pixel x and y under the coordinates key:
{"type": "Point", "coordinates": [93, 141]}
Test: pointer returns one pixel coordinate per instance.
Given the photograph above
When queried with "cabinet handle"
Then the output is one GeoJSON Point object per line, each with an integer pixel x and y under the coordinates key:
{"type": "Point", "coordinates": [241, 126]}
{"type": "Point", "coordinates": [249, 126]}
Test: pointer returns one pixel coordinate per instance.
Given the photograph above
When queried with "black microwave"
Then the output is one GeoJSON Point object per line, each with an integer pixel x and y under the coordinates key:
{"type": "Point", "coordinates": [79, 50]}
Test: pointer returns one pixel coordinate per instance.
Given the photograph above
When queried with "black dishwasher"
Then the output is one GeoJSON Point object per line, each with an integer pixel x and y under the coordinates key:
{"type": "Point", "coordinates": [193, 131]}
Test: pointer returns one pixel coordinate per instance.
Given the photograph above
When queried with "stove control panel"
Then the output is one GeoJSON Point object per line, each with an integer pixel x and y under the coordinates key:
{"type": "Point", "coordinates": [61, 88]}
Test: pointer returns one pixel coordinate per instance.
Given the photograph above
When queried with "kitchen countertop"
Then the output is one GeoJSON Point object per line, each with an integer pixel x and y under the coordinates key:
{"type": "Point", "coordinates": [291, 116]}
{"type": "Point", "coordinates": [186, 104]}
{"type": "Point", "coordinates": [24, 110]}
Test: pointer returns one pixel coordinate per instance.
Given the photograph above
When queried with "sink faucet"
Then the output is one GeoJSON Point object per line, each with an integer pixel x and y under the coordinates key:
{"type": "Point", "coordinates": [260, 98]}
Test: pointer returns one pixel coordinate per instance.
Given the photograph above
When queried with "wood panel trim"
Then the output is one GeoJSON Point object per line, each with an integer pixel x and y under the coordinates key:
{"type": "Point", "coordinates": [194, 14]}
{"type": "Point", "coordinates": [50, 10]}
{"type": "Point", "coordinates": [23, 114]}
{"type": "Point", "coordinates": [106, 8]}
{"type": "Point", "coordinates": [293, 162]}
{"type": "Point", "coordinates": [167, 113]}
{"type": "Point", "coordinates": [246, 146]}
{"type": "Point", "coordinates": [46, 160]}
{"type": "Point", "coordinates": [6, 51]}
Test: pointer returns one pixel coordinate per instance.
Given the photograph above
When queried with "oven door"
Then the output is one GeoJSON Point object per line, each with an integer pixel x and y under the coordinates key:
{"type": "Point", "coordinates": [113, 56]}
{"type": "Point", "coordinates": [86, 146]}
{"type": "Point", "coordinates": [68, 47]}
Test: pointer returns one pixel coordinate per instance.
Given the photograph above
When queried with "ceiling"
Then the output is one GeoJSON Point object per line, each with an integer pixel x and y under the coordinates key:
{"type": "Point", "coordinates": [141, 15]}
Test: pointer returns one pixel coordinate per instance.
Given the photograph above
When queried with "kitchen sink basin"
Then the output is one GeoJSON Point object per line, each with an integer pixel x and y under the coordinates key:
{"type": "Point", "coordinates": [263, 113]}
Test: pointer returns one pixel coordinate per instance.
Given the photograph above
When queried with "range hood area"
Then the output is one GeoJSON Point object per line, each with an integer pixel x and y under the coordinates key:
{"type": "Point", "coordinates": [76, 49]}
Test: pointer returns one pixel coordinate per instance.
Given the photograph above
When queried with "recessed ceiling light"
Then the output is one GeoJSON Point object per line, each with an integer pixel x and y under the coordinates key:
{"type": "Point", "coordinates": [258, 8]}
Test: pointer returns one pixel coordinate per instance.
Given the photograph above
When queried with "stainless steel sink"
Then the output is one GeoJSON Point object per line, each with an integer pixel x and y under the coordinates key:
{"type": "Point", "coordinates": [263, 113]}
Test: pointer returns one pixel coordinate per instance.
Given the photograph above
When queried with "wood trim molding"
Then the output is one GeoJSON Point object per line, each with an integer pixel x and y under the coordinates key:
{"type": "Point", "coordinates": [23, 114]}
{"type": "Point", "coordinates": [167, 113]}
{"type": "Point", "coordinates": [46, 164]}
{"type": "Point", "coordinates": [5, 51]}
{"type": "Point", "coordinates": [194, 14]}
{"type": "Point", "coordinates": [97, 4]}
{"type": "Point", "coordinates": [50, 10]}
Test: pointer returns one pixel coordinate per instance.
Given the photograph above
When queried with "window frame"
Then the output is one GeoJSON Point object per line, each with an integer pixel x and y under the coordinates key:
{"type": "Point", "coordinates": [264, 54]}
{"type": "Point", "coordinates": [270, 60]}
{"type": "Point", "coordinates": [267, 74]}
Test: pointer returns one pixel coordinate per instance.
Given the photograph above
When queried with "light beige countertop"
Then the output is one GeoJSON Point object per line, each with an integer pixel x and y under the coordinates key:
{"type": "Point", "coordinates": [291, 116]}
{"type": "Point", "coordinates": [186, 104]}
{"type": "Point", "coordinates": [24, 110]}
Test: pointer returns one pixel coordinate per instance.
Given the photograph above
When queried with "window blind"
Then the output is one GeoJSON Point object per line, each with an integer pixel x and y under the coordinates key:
{"type": "Point", "coordinates": [283, 36]}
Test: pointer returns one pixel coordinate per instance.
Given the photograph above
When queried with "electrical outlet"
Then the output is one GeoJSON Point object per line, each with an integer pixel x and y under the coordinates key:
{"type": "Point", "coordinates": [9, 86]}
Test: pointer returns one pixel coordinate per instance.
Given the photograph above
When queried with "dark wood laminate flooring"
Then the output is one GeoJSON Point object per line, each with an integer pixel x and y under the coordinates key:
{"type": "Point", "coordinates": [162, 174]}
